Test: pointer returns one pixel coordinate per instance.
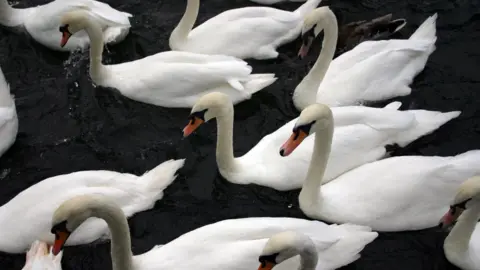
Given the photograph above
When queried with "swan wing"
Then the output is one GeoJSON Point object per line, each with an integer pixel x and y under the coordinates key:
{"type": "Point", "coordinates": [38, 203]}
{"type": "Point", "coordinates": [237, 244]}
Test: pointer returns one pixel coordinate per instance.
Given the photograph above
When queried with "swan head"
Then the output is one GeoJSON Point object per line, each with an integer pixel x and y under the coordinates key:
{"type": "Point", "coordinates": [72, 22]}
{"type": "Point", "coordinates": [313, 24]}
{"type": "Point", "coordinates": [468, 194]}
{"type": "Point", "coordinates": [285, 245]}
{"type": "Point", "coordinates": [314, 117]}
{"type": "Point", "coordinates": [68, 217]}
{"type": "Point", "coordinates": [39, 256]}
{"type": "Point", "coordinates": [206, 108]}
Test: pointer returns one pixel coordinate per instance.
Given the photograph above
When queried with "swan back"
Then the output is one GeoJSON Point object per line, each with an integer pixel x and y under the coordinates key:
{"type": "Point", "coordinates": [213, 105]}
{"type": "Point", "coordinates": [39, 257]}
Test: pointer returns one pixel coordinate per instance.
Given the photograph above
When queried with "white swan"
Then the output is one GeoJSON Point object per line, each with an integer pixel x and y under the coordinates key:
{"type": "Point", "coordinates": [285, 245]}
{"type": "Point", "coordinates": [40, 257]}
{"type": "Point", "coordinates": [169, 79]}
{"type": "Point", "coordinates": [8, 116]}
{"type": "Point", "coordinates": [37, 203]}
{"type": "Point", "coordinates": [393, 194]}
{"type": "Point", "coordinates": [42, 22]}
{"type": "Point", "coordinates": [250, 32]}
{"type": "Point", "coordinates": [361, 134]}
{"type": "Point", "coordinates": [229, 244]}
{"type": "Point", "coordinates": [372, 71]}
{"type": "Point", "coordinates": [462, 244]}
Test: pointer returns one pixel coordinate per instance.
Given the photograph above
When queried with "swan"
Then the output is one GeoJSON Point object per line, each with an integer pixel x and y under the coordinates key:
{"type": "Point", "coordinates": [462, 244]}
{"type": "Point", "coordinates": [40, 257]}
{"type": "Point", "coordinates": [285, 245]}
{"type": "Point", "coordinates": [361, 134]}
{"type": "Point", "coordinates": [42, 22]}
{"type": "Point", "coordinates": [8, 116]}
{"type": "Point", "coordinates": [229, 244]}
{"type": "Point", "coordinates": [168, 79]}
{"type": "Point", "coordinates": [393, 194]}
{"type": "Point", "coordinates": [250, 32]}
{"type": "Point", "coordinates": [38, 202]}
{"type": "Point", "coordinates": [354, 77]}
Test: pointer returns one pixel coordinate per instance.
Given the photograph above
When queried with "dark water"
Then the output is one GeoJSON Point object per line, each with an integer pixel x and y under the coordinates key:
{"type": "Point", "coordinates": [64, 128]}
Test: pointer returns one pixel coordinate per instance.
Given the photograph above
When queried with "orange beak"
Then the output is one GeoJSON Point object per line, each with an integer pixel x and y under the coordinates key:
{"type": "Point", "coordinates": [305, 48]}
{"type": "Point", "coordinates": [65, 37]}
{"type": "Point", "coordinates": [194, 123]}
{"type": "Point", "coordinates": [266, 266]}
{"type": "Point", "coordinates": [293, 142]}
{"type": "Point", "coordinates": [60, 239]}
{"type": "Point", "coordinates": [450, 217]}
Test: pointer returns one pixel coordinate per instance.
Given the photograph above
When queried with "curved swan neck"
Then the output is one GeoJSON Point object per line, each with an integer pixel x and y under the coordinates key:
{"type": "Point", "coordinates": [95, 34]}
{"type": "Point", "coordinates": [224, 152]}
{"type": "Point", "coordinates": [120, 235]}
{"type": "Point", "coordinates": [12, 17]}
{"type": "Point", "coordinates": [308, 258]}
{"type": "Point", "coordinates": [306, 92]}
{"type": "Point", "coordinates": [310, 193]}
{"type": "Point", "coordinates": [458, 239]}
{"type": "Point", "coordinates": [180, 33]}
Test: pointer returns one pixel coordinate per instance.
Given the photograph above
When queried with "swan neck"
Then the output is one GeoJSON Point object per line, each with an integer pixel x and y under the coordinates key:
{"type": "Point", "coordinates": [308, 258]}
{"type": "Point", "coordinates": [96, 50]}
{"type": "Point", "coordinates": [225, 158]}
{"type": "Point", "coordinates": [12, 17]}
{"type": "Point", "coordinates": [306, 92]}
{"type": "Point", "coordinates": [180, 33]}
{"type": "Point", "coordinates": [120, 235]}
{"type": "Point", "coordinates": [459, 238]}
{"type": "Point", "coordinates": [311, 192]}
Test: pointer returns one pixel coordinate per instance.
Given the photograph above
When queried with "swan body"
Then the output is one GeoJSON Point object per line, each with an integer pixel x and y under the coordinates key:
{"type": "Point", "coordinates": [40, 257]}
{"type": "Point", "coordinates": [361, 134]}
{"type": "Point", "coordinates": [37, 203]}
{"type": "Point", "coordinates": [393, 194]}
{"type": "Point", "coordinates": [250, 32]}
{"type": "Point", "coordinates": [229, 244]}
{"type": "Point", "coordinates": [8, 116]}
{"type": "Point", "coordinates": [462, 244]}
{"type": "Point", "coordinates": [372, 71]}
{"type": "Point", "coordinates": [168, 79]}
{"type": "Point", "coordinates": [42, 22]}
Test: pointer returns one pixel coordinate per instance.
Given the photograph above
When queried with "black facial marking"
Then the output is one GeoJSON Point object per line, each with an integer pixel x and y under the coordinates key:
{"type": "Point", "coordinates": [268, 258]}
{"type": "Point", "coordinates": [306, 35]}
{"type": "Point", "coordinates": [64, 29]}
{"type": "Point", "coordinates": [60, 227]}
{"type": "Point", "coordinates": [199, 114]}
{"type": "Point", "coordinates": [305, 128]}
{"type": "Point", "coordinates": [461, 205]}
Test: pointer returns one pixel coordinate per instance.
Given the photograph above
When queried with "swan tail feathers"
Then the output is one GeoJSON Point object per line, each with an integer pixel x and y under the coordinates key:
{"type": "Point", "coordinates": [257, 82]}
{"type": "Point", "coordinates": [353, 239]}
{"type": "Point", "coordinates": [160, 177]}
{"type": "Point", "coordinates": [427, 31]}
{"type": "Point", "coordinates": [465, 164]}
{"type": "Point", "coordinates": [393, 105]}
{"type": "Point", "coordinates": [308, 6]}
{"type": "Point", "coordinates": [426, 123]}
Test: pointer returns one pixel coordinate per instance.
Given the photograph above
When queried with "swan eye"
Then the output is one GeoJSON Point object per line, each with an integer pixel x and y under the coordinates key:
{"type": "Point", "coordinates": [264, 259]}
{"type": "Point", "coordinates": [59, 227]}
{"type": "Point", "coordinates": [64, 29]}
{"type": "Point", "coordinates": [307, 35]}
{"type": "Point", "coordinates": [461, 205]}
{"type": "Point", "coordinates": [200, 115]}
{"type": "Point", "coordinates": [305, 128]}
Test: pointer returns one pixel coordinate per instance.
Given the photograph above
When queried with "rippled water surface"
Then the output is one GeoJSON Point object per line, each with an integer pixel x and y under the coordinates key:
{"type": "Point", "coordinates": [67, 125]}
